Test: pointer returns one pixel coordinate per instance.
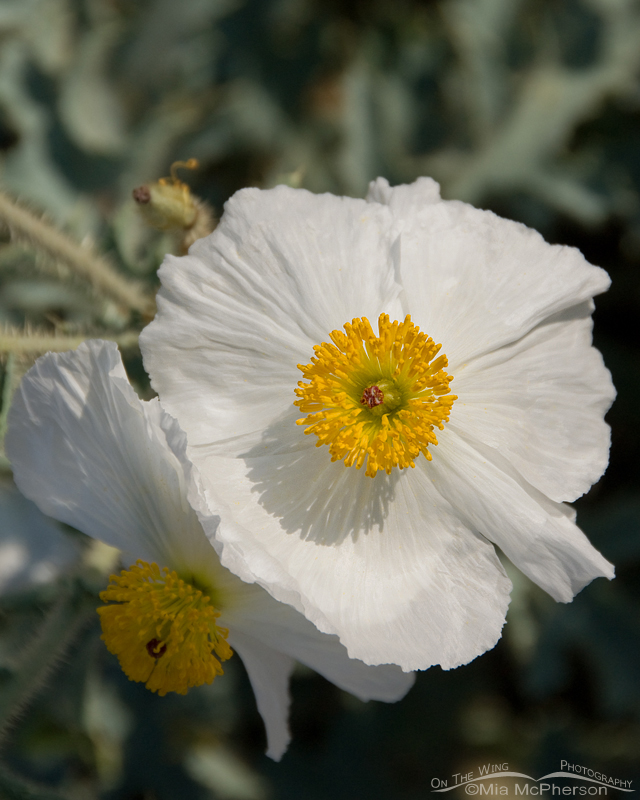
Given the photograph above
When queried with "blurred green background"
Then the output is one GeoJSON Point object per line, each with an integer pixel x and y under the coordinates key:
{"type": "Point", "coordinates": [527, 107]}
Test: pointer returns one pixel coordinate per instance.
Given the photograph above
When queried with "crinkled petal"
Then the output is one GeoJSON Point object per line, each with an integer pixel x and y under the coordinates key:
{"type": "Point", "coordinates": [251, 610]}
{"type": "Point", "coordinates": [269, 672]}
{"type": "Point", "coordinates": [541, 403]}
{"type": "Point", "coordinates": [536, 534]}
{"type": "Point", "coordinates": [91, 454]}
{"type": "Point", "coordinates": [235, 317]}
{"type": "Point", "coordinates": [280, 625]}
{"type": "Point", "coordinates": [385, 564]}
{"type": "Point", "coordinates": [474, 281]}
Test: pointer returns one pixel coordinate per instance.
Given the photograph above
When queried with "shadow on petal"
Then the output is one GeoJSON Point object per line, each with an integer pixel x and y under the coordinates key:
{"type": "Point", "coordinates": [320, 500]}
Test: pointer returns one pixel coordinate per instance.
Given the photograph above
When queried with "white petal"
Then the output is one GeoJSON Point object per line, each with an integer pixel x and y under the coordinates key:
{"type": "Point", "coordinates": [407, 199]}
{"type": "Point", "coordinates": [384, 563]}
{"type": "Point", "coordinates": [280, 626]}
{"type": "Point", "coordinates": [269, 672]}
{"type": "Point", "coordinates": [90, 453]}
{"type": "Point", "coordinates": [251, 610]}
{"type": "Point", "coordinates": [541, 403]}
{"type": "Point", "coordinates": [476, 282]}
{"type": "Point", "coordinates": [282, 270]}
{"type": "Point", "coordinates": [537, 535]}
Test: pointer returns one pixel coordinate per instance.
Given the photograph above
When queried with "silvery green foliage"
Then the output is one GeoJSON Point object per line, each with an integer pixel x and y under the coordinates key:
{"type": "Point", "coordinates": [103, 96]}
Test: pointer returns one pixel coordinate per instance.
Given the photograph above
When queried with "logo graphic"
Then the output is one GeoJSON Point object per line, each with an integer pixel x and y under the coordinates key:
{"type": "Point", "coordinates": [479, 782]}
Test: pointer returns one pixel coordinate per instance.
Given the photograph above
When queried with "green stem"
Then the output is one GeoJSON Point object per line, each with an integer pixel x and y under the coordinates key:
{"type": "Point", "coordinates": [93, 267]}
{"type": "Point", "coordinates": [32, 343]}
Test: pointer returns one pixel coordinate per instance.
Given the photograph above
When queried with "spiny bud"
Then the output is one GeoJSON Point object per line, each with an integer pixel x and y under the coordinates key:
{"type": "Point", "coordinates": [168, 205]}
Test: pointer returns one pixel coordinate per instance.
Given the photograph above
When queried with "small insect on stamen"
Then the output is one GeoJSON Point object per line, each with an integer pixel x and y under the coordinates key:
{"type": "Point", "coordinates": [153, 649]}
{"type": "Point", "coordinates": [372, 396]}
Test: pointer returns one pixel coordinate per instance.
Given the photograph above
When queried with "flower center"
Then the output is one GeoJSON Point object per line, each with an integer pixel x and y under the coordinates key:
{"type": "Point", "coordinates": [376, 398]}
{"type": "Point", "coordinates": [162, 629]}
{"type": "Point", "coordinates": [372, 396]}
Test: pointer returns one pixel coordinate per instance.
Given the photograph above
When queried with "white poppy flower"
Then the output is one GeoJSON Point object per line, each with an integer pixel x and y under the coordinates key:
{"type": "Point", "coordinates": [90, 453]}
{"type": "Point", "coordinates": [456, 452]}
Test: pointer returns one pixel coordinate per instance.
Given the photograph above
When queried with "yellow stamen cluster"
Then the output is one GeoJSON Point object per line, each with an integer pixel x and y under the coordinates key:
{"type": "Point", "coordinates": [376, 398]}
{"type": "Point", "coordinates": [162, 629]}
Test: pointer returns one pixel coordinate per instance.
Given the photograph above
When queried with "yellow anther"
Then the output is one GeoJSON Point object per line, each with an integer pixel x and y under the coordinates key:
{"type": "Point", "coordinates": [162, 630]}
{"type": "Point", "coordinates": [376, 398]}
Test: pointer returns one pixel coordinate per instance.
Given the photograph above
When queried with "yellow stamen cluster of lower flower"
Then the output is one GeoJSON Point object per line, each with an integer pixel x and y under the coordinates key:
{"type": "Point", "coordinates": [376, 398]}
{"type": "Point", "coordinates": [162, 629]}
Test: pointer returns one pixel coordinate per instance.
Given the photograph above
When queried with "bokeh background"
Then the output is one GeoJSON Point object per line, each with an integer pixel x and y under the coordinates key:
{"type": "Point", "coordinates": [527, 107]}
